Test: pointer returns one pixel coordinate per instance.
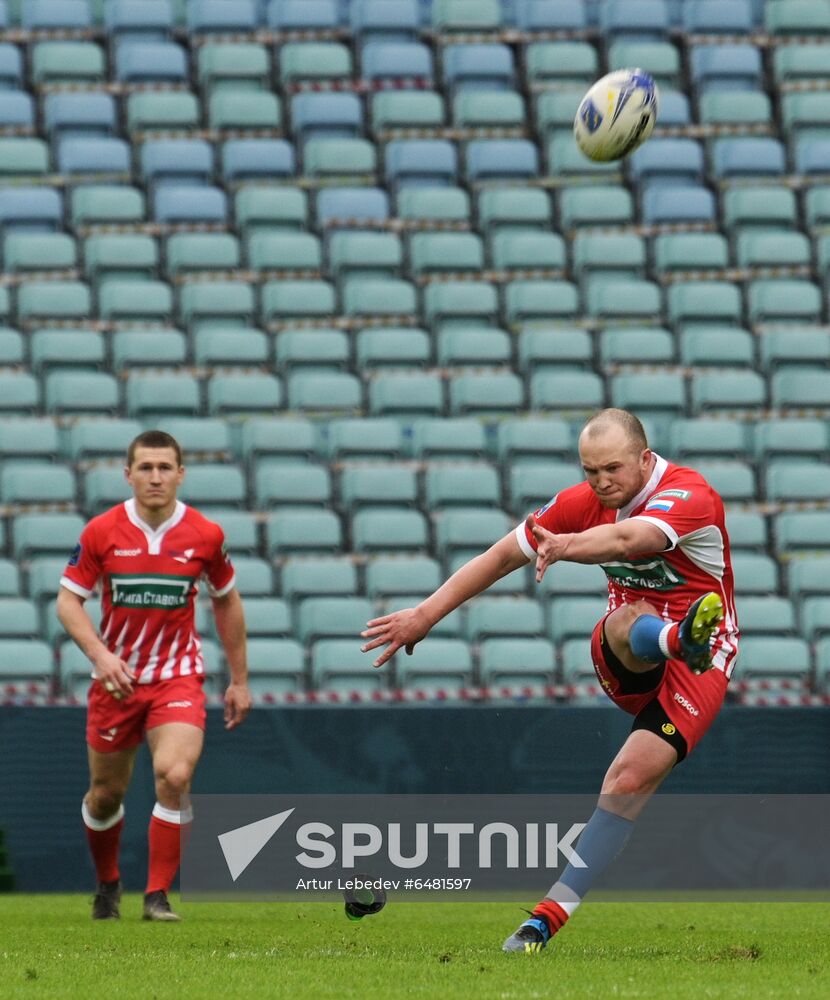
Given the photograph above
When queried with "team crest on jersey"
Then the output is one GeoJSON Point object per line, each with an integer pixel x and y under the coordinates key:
{"type": "Point", "coordinates": [76, 555]}
{"type": "Point", "coordinates": [657, 504]}
{"type": "Point", "coordinates": [547, 506]}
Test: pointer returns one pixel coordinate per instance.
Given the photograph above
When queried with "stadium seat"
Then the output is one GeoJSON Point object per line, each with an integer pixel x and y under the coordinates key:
{"type": "Point", "coordinates": [726, 67]}
{"type": "Point", "coordinates": [287, 438]}
{"type": "Point", "coordinates": [257, 159]}
{"type": "Point", "coordinates": [332, 617]}
{"type": "Point", "coordinates": [302, 15]}
{"type": "Point", "coordinates": [279, 483]}
{"type": "Point", "coordinates": [31, 482]}
{"type": "Point", "coordinates": [384, 530]}
{"type": "Point", "coordinates": [232, 66]}
{"type": "Point", "coordinates": [458, 437]}
{"type": "Point", "coordinates": [702, 436]}
{"type": "Point", "coordinates": [678, 161]}
{"type": "Point", "coordinates": [532, 486]}
{"type": "Point", "coordinates": [298, 530]}
{"type": "Point", "coordinates": [748, 156]}
{"type": "Point", "coordinates": [313, 349]}
{"type": "Point", "coordinates": [784, 658]}
{"type": "Point", "coordinates": [791, 438]}
{"type": "Point", "coordinates": [338, 666]}
{"type": "Point", "coordinates": [29, 437]}
{"type": "Point", "coordinates": [386, 22]}
{"type": "Point", "coordinates": [755, 573]}
{"type": "Point", "coordinates": [565, 63]}
{"type": "Point", "coordinates": [802, 531]}
{"type": "Point", "coordinates": [244, 394]}
{"type": "Point", "coordinates": [389, 576]}
{"type": "Point", "coordinates": [318, 576]}
{"type": "Point", "coordinates": [516, 662]}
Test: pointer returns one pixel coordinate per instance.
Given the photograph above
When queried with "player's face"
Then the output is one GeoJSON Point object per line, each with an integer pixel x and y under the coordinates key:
{"type": "Point", "coordinates": [155, 477]}
{"type": "Point", "coordinates": [615, 470]}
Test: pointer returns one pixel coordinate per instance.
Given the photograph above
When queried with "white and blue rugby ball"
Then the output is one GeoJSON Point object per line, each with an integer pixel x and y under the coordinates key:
{"type": "Point", "coordinates": [617, 114]}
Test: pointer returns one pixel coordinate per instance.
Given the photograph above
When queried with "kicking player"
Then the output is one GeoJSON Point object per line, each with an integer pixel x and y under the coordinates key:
{"type": "Point", "coordinates": [663, 651]}
{"type": "Point", "coordinates": [149, 553]}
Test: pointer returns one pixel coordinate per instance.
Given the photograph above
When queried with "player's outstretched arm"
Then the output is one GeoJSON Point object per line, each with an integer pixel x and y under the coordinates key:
{"type": "Point", "coordinates": [230, 627]}
{"type": "Point", "coordinates": [405, 628]}
{"type": "Point", "coordinates": [110, 669]}
{"type": "Point", "coordinates": [595, 545]}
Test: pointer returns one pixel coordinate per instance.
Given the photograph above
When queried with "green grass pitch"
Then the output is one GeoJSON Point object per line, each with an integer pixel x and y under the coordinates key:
{"type": "Point", "coordinates": [49, 947]}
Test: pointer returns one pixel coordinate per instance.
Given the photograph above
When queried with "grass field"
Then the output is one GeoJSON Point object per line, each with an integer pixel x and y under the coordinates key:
{"type": "Point", "coordinates": [49, 947]}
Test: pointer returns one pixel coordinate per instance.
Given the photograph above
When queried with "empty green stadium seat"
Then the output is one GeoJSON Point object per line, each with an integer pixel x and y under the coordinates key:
{"type": "Point", "coordinates": [230, 303]}
{"type": "Point", "coordinates": [66, 348]}
{"type": "Point", "coordinates": [473, 345]}
{"type": "Point", "coordinates": [790, 479]}
{"type": "Point", "coordinates": [624, 300]}
{"type": "Point", "coordinates": [44, 576]}
{"type": "Point", "coordinates": [387, 576]}
{"type": "Point", "coordinates": [22, 156]}
{"type": "Point", "coordinates": [318, 576]}
{"type": "Point", "coordinates": [532, 438]}
{"type": "Point", "coordinates": [747, 530]}
{"type": "Point", "coordinates": [77, 392]}
{"type": "Point", "coordinates": [406, 394]}
{"type": "Point", "coordinates": [525, 208]}
{"type": "Point", "coordinates": [436, 663]}
{"type": "Point", "coordinates": [53, 300]}
{"type": "Point", "coordinates": [574, 616]}
{"type": "Point", "coordinates": [735, 107]}
{"type": "Point", "coordinates": [807, 112]}
{"type": "Point", "coordinates": [136, 301]}
{"type": "Point", "coordinates": [284, 251]}
{"type": "Point", "coordinates": [434, 203]}
{"type": "Point", "coordinates": [610, 255]}
{"type": "Point", "coordinates": [276, 667]}
{"type": "Point", "coordinates": [270, 208]}
{"type": "Point", "coordinates": [532, 485]}
{"type": "Point", "coordinates": [436, 252]}
{"type": "Point", "coordinates": [132, 348]}
{"type": "Point", "coordinates": [201, 252]}
{"type": "Point", "coordinates": [120, 255]}
{"type": "Point", "coordinates": [476, 529]}
{"type": "Point", "coordinates": [407, 109]}
{"type": "Point", "coordinates": [339, 158]}
{"type": "Point", "coordinates": [703, 302]}
{"type": "Point", "coordinates": [769, 207]}
{"type": "Point", "coordinates": [815, 622]}
{"type": "Point", "coordinates": [660, 59]}
{"type": "Point", "coordinates": [106, 203]}
{"type": "Point", "coordinates": [23, 482]}
{"type": "Point", "coordinates": [234, 66]}
{"type": "Point", "coordinates": [230, 345]}
{"type": "Point", "coordinates": [312, 349]}
{"type": "Point", "coordinates": [707, 437]}
{"type": "Point", "coordinates": [207, 485]}
{"type": "Point", "coordinates": [253, 576]}
{"type": "Point", "coordinates": [323, 617]}
{"type": "Point", "coordinates": [324, 391]}
{"type": "Point", "coordinates": [243, 393]}
{"type": "Point", "coordinates": [488, 617]}
{"type": "Point", "coordinates": [376, 484]}
{"type": "Point", "coordinates": [289, 300]}
{"type": "Point", "coordinates": [338, 666]}
{"type": "Point", "coordinates": [39, 251]}
{"type": "Point", "coordinates": [486, 393]}
{"type": "Point", "coordinates": [299, 530]}
{"type": "Point", "coordinates": [165, 110]}
{"type": "Point", "coordinates": [784, 300]}
{"type": "Point", "coordinates": [634, 345]}
{"type": "Point", "coordinates": [528, 249]}
{"type": "Point", "coordinates": [755, 573]}
{"type": "Point", "coordinates": [539, 300]}
{"type": "Point", "coordinates": [716, 346]}
{"type": "Point", "coordinates": [377, 529]}
{"type": "Point", "coordinates": [364, 438]}
{"type": "Point", "coordinates": [379, 296]}
{"type": "Point", "coordinates": [564, 62]}
{"type": "Point", "coordinates": [793, 345]}
{"type": "Point", "coordinates": [690, 251]}
{"type": "Point", "coordinates": [595, 206]}
{"type": "Point", "coordinates": [366, 255]}
{"type": "Point", "coordinates": [288, 438]}
{"type": "Point", "coordinates": [457, 437]}
{"type": "Point", "coordinates": [728, 390]}
{"type": "Point", "coordinates": [800, 387]}
{"type": "Point", "coordinates": [801, 530]}
{"type": "Point", "coordinates": [791, 437]}
{"type": "Point", "coordinates": [488, 109]}
{"type": "Point", "coordinates": [314, 61]}
{"type": "Point", "coordinates": [515, 662]}
{"type": "Point", "coordinates": [466, 16]}
{"type": "Point", "coordinates": [279, 483]}
{"type": "Point", "coordinates": [33, 437]}
{"type": "Point", "coordinates": [162, 393]}
{"type": "Point", "coordinates": [797, 17]}
{"type": "Point", "coordinates": [781, 657]}
{"type": "Point", "coordinates": [735, 481]}
{"type": "Point", "coordinates": [566, 391]}
{"type": "Point", "coordinates": [18, 619]}
{"type": "Point", "coordinates": [467, 484]}
{"type": "Point", "coordinates": [663, 391]}
{"type": "Point", "coordinates": [26, 661]}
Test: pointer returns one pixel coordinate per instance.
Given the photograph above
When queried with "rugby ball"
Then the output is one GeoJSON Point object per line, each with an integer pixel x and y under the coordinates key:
{"type": "Point", "coordinates": [616, 115]}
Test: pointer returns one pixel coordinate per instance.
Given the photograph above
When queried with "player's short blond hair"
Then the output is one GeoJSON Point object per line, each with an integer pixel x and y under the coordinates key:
{"type": "Point", "coordinates": [634, 430]}
{"type": "Point", "coordinates": [154, 439]}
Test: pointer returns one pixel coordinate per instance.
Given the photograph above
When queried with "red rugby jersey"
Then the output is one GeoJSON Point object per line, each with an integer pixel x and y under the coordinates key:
{"type": "Point", "coordinates": [149, 580]}
{"type": "Point", "coordinates": [696, 560]}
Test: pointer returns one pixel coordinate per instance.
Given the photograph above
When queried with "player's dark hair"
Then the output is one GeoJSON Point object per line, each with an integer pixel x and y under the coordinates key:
{"type": "Point", "coordinates": [154, 439]}
{"type": "Point", "coordinates": [634, 430]}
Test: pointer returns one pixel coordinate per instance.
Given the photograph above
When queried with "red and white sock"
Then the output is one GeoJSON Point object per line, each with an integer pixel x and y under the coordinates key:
{"type": "Point", "coordinates": [104, 838]}
{"type": "Point", "coordinates": [167, 828]}
{"type": "Point", "coordinates": [669, 640]}
{"type": "Point", "coordinates": [555, 913]}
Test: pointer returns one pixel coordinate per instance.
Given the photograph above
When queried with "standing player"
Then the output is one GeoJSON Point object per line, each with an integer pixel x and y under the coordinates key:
{"type": "Point", "coordinates": [663, 651]}
{"type": "Point", "coordinates": [149, 553]}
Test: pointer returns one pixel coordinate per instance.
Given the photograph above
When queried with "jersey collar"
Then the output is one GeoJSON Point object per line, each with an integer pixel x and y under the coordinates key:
{"type": "Point", "coordinates": [660, 467]}
{"type": "Point", "coordinates": [154, 535]}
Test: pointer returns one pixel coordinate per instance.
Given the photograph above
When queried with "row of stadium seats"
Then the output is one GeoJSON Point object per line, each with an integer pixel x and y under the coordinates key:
{"type": "Point", "coordinates": [307, 115]}
{"type": "Point", "coordinates": [281, 665]}
{"type": "Point", "coordinates": [561, 387]}
{"type": "Point", "coordinates": [296, 439]}
{"type": "Point", "coordinates": [405, 18]}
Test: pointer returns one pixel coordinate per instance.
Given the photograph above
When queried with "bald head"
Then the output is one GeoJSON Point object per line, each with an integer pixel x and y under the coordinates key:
{"type": "Point", "coordinates": [615, 456]}
{"type": "Point", "coordinates": [619, 420]}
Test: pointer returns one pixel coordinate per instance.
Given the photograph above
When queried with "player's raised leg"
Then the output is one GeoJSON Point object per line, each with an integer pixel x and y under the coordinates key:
{"type": "Point", "coordinates": [103, 816]}
{"type": "Point", "coordinates": [175, 748]}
